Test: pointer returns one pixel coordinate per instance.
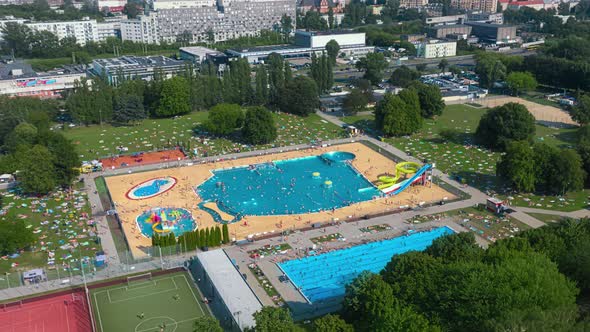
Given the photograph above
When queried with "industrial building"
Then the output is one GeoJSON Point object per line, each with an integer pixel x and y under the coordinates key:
{"type": "Point", "coordinates": [135, 67]}
{"type": "Point", "coordinates": [431, 49]}
{"type": "Point", "coordinates": [230, 296]}
{"type": "Point", "coordinates": [442, 31]}
{"type": "Point", "coordinates": [306, 43]}
{"type": "Point", "coordinates": [494, 33]}
{"type": "Point", "coordinates": [199, 54]}
{"type": "Point", "coordinates": [18, 79]}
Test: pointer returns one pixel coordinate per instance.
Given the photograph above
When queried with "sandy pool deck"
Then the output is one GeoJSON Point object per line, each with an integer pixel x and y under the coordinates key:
{"type": "Point", "coordinates": [368, 162]}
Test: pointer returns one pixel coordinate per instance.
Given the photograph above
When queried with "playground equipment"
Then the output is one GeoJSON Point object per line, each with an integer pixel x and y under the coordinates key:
{"type": "Point", "coordinates": [390, 184]}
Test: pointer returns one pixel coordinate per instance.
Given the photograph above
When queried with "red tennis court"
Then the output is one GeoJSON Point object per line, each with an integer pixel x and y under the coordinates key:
{"type": "Point", "coordinates": [61, 313]}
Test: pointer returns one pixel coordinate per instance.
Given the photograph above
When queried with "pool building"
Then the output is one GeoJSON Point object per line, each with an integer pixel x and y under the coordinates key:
{"type": "Point", "coordinates": [324, 277]}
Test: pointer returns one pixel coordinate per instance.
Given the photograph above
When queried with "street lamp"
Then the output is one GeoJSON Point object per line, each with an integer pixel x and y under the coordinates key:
{"type": "Point", "coordinates": [238, 313]}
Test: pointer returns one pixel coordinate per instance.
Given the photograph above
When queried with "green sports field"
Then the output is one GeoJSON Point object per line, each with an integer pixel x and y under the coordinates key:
{"type": "Point", "coordinates": [169, 302]}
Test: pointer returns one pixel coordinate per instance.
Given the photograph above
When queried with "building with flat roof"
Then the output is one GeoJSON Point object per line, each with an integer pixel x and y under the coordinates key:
{"type": "Point", "coordinates": [431, 49]}
{"type": "Point", "coordinates": [494, 33]}
{"type": "Point", "coordinates": [198, 54]}
{"type": "Point", "coordinates": [488, 6]}
{"type": "Point", "coordinates": [306, 43]}
{"type": "Point", "coordinates": [142, 29]}
{"type": "Point", "coordinates": [442, 31]}
{"type": "Point", "coordinates": [84, 31]}
{"type": "Point", "coordinates": [412, 3]}
{"type": "Point", "coordinates": [232, 300]}
{"type": "Point", "coordinates": [18, 79]}
{"type": "Point", "coordinates": [135, 67]}
{"type": "Point", "coordinates": [497, 18]}
{"type": "Point", "coordinates": [446, 20]}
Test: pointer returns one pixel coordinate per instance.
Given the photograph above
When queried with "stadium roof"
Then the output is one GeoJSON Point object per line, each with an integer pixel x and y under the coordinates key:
{"type": "Point", "coordinates": [234, 291]}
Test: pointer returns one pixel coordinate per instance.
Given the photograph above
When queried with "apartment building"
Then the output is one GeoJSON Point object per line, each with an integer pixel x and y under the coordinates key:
{"type": "Point", "coordinates": [143, 29]}
{"type": "Point", "coordinates": [488, 6]}
{"type": "Point", "coordinates": [84, 31]}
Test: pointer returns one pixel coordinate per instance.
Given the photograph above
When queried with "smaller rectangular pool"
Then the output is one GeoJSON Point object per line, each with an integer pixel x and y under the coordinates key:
{"type": "Point", "coordinates": [326, 276]}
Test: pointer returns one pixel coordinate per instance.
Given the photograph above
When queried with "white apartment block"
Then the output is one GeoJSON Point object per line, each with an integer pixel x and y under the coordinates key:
{"type": "Point", "coordinates": [143, 29]}
{"type": "Point", "coordinates": [433, 48]}
{"type": "Point", "coordinates": [111, 27]}
{"type": "Point", "coordinates": [412, 3]}
{"type": "Point", "coordinates": [84, 31]}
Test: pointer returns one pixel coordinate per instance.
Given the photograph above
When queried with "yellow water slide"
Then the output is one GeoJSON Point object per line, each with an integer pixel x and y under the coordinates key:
{"type": "Point", "coordinates": [402, 168]}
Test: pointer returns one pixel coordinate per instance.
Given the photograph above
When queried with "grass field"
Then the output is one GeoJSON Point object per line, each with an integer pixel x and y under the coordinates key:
{"type": "Point", "coordinates": [102, 141]}
{"type": "Point", "coordinates": [471, 164]}
{"type": "Point", "coordinates": [62, 228]}
{"type": "Point", "coordinates": [148, 305]}
{"type": "Point", "coordinates": [546, 218]}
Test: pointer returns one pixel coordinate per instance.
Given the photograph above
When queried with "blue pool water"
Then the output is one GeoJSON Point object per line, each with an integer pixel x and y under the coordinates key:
{"type": "Point", "coordinates": [150, 189]}
{"type": "Point", "coordinates": [292, 186]}
{"type": "Point", "coordinates": [325, 276]}
{"type": "Point", "coordinates": [165, 220]}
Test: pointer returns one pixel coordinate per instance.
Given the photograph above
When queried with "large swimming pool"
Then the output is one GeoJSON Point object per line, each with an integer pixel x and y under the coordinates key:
{"type": "Point", "coordinates": [292, 186]}
{"type": "Point", "coordinates": [325, 276]}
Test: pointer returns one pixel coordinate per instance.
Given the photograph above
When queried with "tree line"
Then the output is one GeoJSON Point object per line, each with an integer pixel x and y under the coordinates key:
{"type": "Point", "coordinates": [199, 238]}
{"type": "Point", "coordinates": [43, 159]}
{"type": "Point", "coordinates": [529, 282]}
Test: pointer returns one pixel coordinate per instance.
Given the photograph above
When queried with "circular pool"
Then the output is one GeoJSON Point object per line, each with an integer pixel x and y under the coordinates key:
{"type": "Point", "coordinates": [151, 188]}
{"type": "Point", "coordinates": [338, 156]}
{"type": "Point", "coordinates": [165, 220]}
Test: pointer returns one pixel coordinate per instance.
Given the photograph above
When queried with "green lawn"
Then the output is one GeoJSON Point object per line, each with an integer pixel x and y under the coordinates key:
{"type": "Point", "coordinates": [479, 221]}
{"type": "Point", "coordinates": [63, 230]}
{"type": "Point", "coordinates": [546, 218]}
{"type": "Point", "coordinates": [147, 305]}
{"type": "Point", "coordinates": [471, 164]}
{"type": "Point", "coordinates": [102, 141]}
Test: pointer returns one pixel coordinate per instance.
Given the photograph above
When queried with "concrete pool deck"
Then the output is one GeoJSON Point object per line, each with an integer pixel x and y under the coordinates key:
{"type": "Point", "coordinates": [368, 162]}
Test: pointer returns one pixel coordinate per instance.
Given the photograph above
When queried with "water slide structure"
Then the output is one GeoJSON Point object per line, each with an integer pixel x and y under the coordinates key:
{"type": "Point", "coordinates": [389, 184]}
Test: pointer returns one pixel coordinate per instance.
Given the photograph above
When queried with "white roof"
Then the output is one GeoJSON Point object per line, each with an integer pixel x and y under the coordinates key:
{"type": "Point", "coordinates": [234, 291]}
{"type": "Point", "coordinates": [6, 176]}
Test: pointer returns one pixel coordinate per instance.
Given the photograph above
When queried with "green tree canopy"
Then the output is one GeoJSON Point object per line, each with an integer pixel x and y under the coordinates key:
{"type": "Point", "coordinates": [354, 102]}
{"type": "Point", "coordinates": [332, 47]}
{"type": "Point", "coordinates": [509, 122]}
{"type": "Point", "coordinates": [403, 76]}
{"type": "Point", "coordinates": [259, 126]}
{"type": "Point", "coordinates": [23, 134]}
{"type": "Point", "coordinates": [300, 96]}
{"type": "Point", "coordinates": [207, 324]}
{"type": "Point", "coordinates": [373, 64]}
{"type": "Point", "coordinates": [37, 174]}
{"type": "Point", "coordinates": [521, 82]}
{"type": "Point", "coordinates": [431, 102]}
{"type": "Point", "coordinates": [224, 119]}
{"type": "Point", "coordinates": [399, 115]}
{"type": "Point", "coordinates": [581, 111]}
{"type": "Point", "coordinates": [274, 319]}
{"type": "Point", "coordinates": [174, 98]}
{"type": "Point", "coordinates": [517, 166]}
{"type": "Point", "coordinates": [331, 323]}
{"type": "Point", "coordinates": [489, 68]}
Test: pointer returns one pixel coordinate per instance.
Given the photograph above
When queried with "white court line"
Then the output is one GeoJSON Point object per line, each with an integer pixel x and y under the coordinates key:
{"type": "Point", "coordinates": [176, 322]}
{"type": "Point", "coordinates": [145, 295]}
{"type": "Point", "coordinates": [98, 313]}
{"type": "Point", "coordinates": [175, 285]}
{"type": "Point", "coordinates": [194, 296]}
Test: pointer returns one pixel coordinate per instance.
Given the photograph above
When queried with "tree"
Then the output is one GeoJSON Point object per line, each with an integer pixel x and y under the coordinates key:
{"type": "Point", "coordinates": [355, 101]}
{"type": "Point", "coordinates": [581, 111]}
{"type": "Point", "coordinates": [569, 174]}
{"type": "Point", "coordinates": [225, 231]}
{"type": "Point", "coordinates": [331, 323]}
{"type": "Point", "coordinates": [24, 134]}
{"type": "Point", "coordinates": [455, 247]}
{"type": "Point", "coordinates": [321, 72]}
{"type": "Point", "coordinates": [224, 119]}
{"type": "Point", "coordinates": [37, 174]}
{"type": "Point", "coordinates": [373, 64]}
{"type": "Point", "coordinates": [331, 23]}
{"type": "Point", "coordinates": [431, 102]}
{"type": "Point", "coordinates": [286, 26]}
{"type": "Point", "coordinates": [369, 303]}
{"type": "Point", "coordinates": [14, 235]}
{"type": "Point", "coordinates": [131, 10]}
{"type": "Point", "coordinates": [300, 96]}
{"type": "Point", "coordinates": [274, 319]}
{"type": "Point", "coordinates": [259, 127]}
{"type": "Point", "coordinates": [443, 65]}
{"type": "Point", "coordinates": [490, 69]}
{"type": "Point", "coordinates": [174, 98]}
{"type": "Point", "coordinates": [505, 123]}
{"type": "Point", "coordinates": [421, 67]}
{"type": "Point", "coordinates": [128, 108]}
{"type": "Point", "coordinates": [207, 324]}
{"type": "Point", "coordinates": [521, 82]}
{"type": "Point", "coordinates": [66, 159]}
{"type": "Point", "coordinates": [398, 115]}
{"type": "Point", "coordinates": [261, 97]}
{"type": "Point", "coordinates": [517, 166]}
{"type": "Point", "coordinates": [276, 77]}
{"type": "Point", "coordinates": [332, 48]}
{"type": "Point", "coordinates": [403, 76]}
